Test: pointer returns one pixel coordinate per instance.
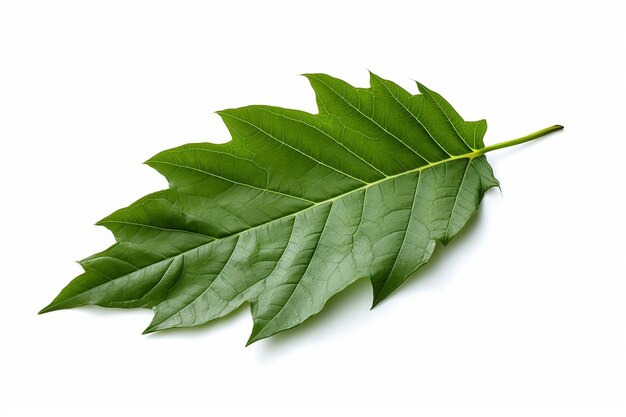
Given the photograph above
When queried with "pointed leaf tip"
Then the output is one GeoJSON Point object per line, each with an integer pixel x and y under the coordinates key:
{"type": "Point", "coordinates": [53, 306]}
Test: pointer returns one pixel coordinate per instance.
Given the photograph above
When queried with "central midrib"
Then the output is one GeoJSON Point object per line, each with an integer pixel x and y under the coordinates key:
{"type": "Point", "coordinates": [469, 155]}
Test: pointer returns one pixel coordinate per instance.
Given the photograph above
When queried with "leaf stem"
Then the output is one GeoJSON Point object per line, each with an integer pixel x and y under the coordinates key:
{"type": "Point", "coordinates": [517, 141]}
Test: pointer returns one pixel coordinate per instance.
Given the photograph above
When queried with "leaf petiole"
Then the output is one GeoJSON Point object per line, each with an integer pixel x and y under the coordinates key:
{"type": "Point", "coordinates": [517, 141]}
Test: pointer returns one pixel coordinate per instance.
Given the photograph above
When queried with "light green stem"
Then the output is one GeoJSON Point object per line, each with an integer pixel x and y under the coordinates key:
{"type": "Point", "coordinates": [517, 141]}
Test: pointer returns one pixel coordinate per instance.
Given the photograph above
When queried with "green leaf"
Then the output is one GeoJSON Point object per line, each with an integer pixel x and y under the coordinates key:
{"type": "Point", "coordinates": [294, 209]}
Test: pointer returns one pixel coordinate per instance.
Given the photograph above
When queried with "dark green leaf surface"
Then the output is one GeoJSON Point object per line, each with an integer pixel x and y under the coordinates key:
{"type": "Point", "coordinates": [293, 210]}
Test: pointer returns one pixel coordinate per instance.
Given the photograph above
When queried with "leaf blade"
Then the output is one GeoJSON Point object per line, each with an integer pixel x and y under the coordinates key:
{"type": "Point", "coordinates": [274, 219]}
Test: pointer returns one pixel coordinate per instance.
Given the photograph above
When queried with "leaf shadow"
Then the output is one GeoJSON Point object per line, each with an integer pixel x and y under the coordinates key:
{"type": "Point", "coordinates": [356, 295]}
{"type": "Point", "coordinates": [441, 254]}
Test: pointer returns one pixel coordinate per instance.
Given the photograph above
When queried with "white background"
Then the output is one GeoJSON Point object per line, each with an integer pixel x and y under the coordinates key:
{"type": "Point", "coordinates": [524, 314]}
